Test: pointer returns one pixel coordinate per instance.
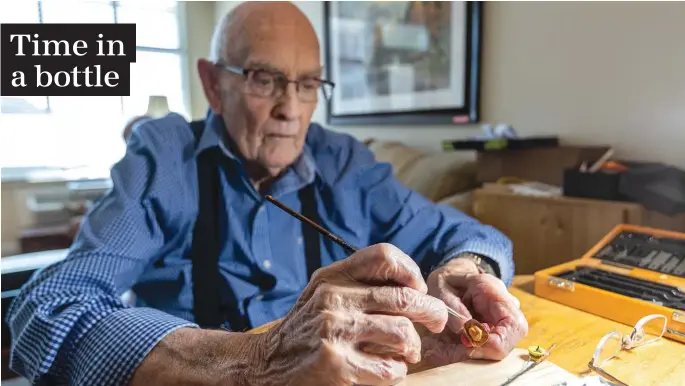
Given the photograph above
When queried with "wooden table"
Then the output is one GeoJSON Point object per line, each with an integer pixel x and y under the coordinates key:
{"type": "Point", "coordinates": [577, 333]}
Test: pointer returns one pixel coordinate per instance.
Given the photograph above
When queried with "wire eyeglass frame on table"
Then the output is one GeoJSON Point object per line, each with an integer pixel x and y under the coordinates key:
{"type": "Point", "coordinates": [636, 338]}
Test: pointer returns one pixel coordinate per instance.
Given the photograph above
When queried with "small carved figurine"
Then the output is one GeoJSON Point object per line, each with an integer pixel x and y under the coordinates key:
{"type": "Point", "coordinates": [475, 333]}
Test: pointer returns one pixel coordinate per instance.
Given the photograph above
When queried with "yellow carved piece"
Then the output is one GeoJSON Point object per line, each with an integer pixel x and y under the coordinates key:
{"type": "Point", "coordinates": [476, 333]}
{"type": "Point", "coordinates": [536, 352]}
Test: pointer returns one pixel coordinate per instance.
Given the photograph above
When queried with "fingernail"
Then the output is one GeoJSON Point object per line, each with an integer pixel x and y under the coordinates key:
{"type": "Point", "coordinates": [476, 354]}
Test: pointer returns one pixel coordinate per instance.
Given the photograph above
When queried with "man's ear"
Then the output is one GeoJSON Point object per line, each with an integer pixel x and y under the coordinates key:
{"type": "Point", "coordinates": [210, 84]}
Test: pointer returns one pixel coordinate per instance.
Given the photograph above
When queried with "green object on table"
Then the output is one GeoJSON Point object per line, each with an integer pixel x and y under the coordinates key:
{"type": "Point", "coordinates": [495, 144]}
{"type": "Point", "coordinates": [447, 146]}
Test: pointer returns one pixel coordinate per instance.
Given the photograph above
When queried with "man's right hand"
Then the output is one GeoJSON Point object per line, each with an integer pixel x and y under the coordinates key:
{"type": "Point", "coordinates": [352, 324]}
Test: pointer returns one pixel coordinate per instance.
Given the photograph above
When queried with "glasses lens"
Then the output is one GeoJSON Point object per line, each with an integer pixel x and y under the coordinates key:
{"type": "Point", "coordinates": [261, 83]}
{"type": "Point", "coordinates": [308, 89]}
{"type": "Point", "coordinates": [648, 329]}
{"type": "Point", "coordinates": [608, 347]}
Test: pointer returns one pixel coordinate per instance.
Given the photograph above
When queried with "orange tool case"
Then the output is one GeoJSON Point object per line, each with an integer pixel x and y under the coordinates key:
{"type": "Point", "coordinates": [632, 272]}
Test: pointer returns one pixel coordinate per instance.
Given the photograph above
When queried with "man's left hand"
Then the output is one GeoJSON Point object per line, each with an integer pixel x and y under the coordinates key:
{"type": "Point", "coordinates": [481, 296]}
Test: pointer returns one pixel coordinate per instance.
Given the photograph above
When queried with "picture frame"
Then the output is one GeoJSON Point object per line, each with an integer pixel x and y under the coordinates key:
{"type": "Point", "coordinates": [403, 62]}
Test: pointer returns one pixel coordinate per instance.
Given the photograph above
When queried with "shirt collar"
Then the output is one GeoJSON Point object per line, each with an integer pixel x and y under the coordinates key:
{"type": "Point", "coordinates": [211, 135]}
{"type": "Point", "coordinates": [214, 135]}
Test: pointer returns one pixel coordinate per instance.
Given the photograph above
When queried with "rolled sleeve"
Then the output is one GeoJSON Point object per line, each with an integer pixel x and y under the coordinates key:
{"type": "Point", "coordinates": [115, 346]}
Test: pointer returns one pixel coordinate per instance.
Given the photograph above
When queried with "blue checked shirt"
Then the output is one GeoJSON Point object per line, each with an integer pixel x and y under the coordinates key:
{"type": "Point", "coordinates": [69, 324]}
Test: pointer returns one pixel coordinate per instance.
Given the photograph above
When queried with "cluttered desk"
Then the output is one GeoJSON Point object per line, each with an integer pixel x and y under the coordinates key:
{"type": "Point", "coordinates": [589, 330]}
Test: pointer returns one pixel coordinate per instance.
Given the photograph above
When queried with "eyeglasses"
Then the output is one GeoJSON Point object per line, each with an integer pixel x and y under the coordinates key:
{"type": "Point", "coordinates": [271, 84]}
{"type": "Point", "coordinates": [647, 330]}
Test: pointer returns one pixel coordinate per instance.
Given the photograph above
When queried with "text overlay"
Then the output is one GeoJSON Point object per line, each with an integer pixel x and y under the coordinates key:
{"type": "Point", "coordinates": [67, 59]}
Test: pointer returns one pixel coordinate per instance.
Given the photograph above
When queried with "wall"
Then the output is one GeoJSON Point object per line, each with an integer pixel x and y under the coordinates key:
{"type": "Point", "coordinates": [591, 72]}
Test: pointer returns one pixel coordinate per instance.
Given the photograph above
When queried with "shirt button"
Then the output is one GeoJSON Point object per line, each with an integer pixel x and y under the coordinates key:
{"type": "Point", "coordinates": [259, 297]}
{"type": "Point", "coordinates": [267, 264]}
{"type": "Point", "coordinates": [261, 209]}
{"type": "Point", "coordinates": [299, 240]}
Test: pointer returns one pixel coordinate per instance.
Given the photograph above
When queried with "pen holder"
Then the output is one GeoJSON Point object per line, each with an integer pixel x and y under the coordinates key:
{"type": "Point", "coordinates": [599, 185]}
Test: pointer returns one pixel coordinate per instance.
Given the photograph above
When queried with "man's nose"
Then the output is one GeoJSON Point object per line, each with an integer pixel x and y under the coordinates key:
{"type": "Point", "coordinates": [288, 105]}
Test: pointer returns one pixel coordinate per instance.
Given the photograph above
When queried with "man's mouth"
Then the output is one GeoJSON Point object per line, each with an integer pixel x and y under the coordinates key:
{"type": "Point", "coordinates": [281, 136]}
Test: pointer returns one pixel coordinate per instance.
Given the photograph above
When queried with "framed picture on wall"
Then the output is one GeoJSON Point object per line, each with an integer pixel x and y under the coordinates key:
{"type": "Point", "coordinates": [403, 62]}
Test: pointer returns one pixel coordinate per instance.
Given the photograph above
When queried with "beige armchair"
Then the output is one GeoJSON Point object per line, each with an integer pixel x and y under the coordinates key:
{"type": "Point", "coordinates": [442, 177]}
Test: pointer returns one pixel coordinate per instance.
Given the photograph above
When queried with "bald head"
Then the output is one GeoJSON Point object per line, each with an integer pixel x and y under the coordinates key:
{"type": "Point", "coordinates": [252, 23]}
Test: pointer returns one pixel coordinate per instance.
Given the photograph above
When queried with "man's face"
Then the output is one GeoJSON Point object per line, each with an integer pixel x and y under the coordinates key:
{"type": "Point", "coordinates": [270, 131]}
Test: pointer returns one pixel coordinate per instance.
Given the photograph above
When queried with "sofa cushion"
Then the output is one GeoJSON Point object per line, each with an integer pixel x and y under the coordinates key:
{"type": "Point", "coordinates": [435, 175]}
{"type": "Point", "coordinates": [461, 201]}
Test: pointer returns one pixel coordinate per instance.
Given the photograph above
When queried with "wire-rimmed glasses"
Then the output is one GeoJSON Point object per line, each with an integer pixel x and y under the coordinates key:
{"type": "Point", "coordinates": [272, 84]}
{"type": "Point", "coordinates": [647, 330]}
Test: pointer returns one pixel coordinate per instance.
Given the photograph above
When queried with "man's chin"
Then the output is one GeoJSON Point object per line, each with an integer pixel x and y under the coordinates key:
{"type": "Point", "coordinates": [280, 159]}
{"type": "Point", "coordinates": [278, 163]}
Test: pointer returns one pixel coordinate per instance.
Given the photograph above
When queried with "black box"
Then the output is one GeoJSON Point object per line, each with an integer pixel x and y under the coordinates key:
{"type": "Point", "coordinates": [599, 185]}
{"type": "Point", "coordinates": [657, 187]}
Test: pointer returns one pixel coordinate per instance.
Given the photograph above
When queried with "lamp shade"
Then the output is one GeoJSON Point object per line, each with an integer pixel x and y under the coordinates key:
{"type": "Point", "coordinates": [157, 106]}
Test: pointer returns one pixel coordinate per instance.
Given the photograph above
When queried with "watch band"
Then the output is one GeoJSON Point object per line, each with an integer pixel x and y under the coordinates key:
{"type": "Point", "coordinates": [481, 262]}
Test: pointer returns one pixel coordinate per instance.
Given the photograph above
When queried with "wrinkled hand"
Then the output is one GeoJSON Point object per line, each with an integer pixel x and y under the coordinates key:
{"type": "Point", "coordinates": [481, 296]}
{"type": "Point", "coordinates": [353, 323]}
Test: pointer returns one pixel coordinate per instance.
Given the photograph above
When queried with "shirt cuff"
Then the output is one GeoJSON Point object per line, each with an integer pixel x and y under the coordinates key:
{"type": "Point", "coordinates": [116, 345]}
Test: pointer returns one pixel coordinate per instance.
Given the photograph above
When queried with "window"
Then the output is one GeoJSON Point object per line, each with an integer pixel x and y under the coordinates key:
{"type": "Point", "coordinates": [69, 132]}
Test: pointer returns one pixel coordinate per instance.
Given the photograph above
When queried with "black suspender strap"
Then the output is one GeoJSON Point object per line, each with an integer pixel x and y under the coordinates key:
{"type": "Point", "coordinates": [206, 240]}
{"type": "Point", "coordinates": [208, 286]}
{"type": "Point", "coordinates": [312, 246]}
{"type": "Point", "coordinates": [206, 247]}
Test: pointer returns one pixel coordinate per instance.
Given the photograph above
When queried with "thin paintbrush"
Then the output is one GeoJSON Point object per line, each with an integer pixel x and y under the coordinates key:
{"type": "Point", "coordinates": [316, 226]}
{"type": "Point", "coordinates": [335, 238]}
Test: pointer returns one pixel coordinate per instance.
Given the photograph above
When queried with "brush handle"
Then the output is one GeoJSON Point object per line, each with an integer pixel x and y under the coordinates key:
{"type": "Point", "coordinates": [455, 313]}
{"type": "Point", "coordinates": [350, 249]}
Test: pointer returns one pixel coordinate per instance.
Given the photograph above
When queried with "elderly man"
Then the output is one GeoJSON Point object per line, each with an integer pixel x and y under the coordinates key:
{"type": "Point", "coordinates": [186, 227]}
